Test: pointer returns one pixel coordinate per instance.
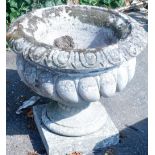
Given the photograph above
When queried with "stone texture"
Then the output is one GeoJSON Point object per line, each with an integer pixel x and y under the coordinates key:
{"type": "Point", "coordinates": [88, 89]}
{"type": "Point", "coordinates": [110, 40]}
{"type": "Point", "coordinates": [67, 90]}
{"type": "Point", "coordinates": [122, 77]}
{"type": "Point", "coordinates": [131, 68]}
{"type": "Point", "coordinates": [75, 89]}
{"type": "Point", "coordinates": [135, 106]}
{"type": "Point", "coordinates": [65, 120]}
{"type": "Point", "coordinates": [39, 57]}
{"type": "Point", "coordinates": [74, 92]}
{"type": "Point", "coordinates": [108, 84]}
{"type": "Point", "coordinates": [62, 145]}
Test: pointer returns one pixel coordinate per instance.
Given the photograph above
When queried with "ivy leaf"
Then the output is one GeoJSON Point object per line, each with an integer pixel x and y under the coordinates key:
{"type": "Point", "coordinates": [117, 3]}
{"type": "Point", "coordinates": [94, 2]}
{"type": "Point", "coordinates": [49, 3]}
{"type": "Point", "coordinates": [85, 2]}
{"type": "Point", "coordinates": [59, 2]}
{"type": "Point", "coordinates": [7, 14]}
{"type": "Point", "coordinates": [64, 1]}
{"type": "Point", "coordinates": [13, 16]}
{"type": "Point", "coordinates": [13, 4]}
{"type": "Point", "coordinates": [28, 1]}
{"type": "Point", "coordinates": [107, 1]}
{"type": "Point", "coordinates": [24, 8]}
{"type": "Point", "coordinates": [13, 9]}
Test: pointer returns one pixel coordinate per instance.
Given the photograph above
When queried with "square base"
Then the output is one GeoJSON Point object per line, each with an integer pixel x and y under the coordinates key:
{"type": "Point", "coordinates": [61, 145]}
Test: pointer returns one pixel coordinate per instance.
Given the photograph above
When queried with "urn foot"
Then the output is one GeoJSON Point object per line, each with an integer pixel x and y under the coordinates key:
{"type": "Point", "coordinates": [73, 121]}
{"type": "Point", "coordinates": [59, 144]}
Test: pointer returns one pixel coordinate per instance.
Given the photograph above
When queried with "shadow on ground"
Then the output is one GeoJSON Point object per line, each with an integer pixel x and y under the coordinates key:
{"type": "Point", "coordinates": [133, 141]}
{"type": "Point", "coordinates": [22, 124]}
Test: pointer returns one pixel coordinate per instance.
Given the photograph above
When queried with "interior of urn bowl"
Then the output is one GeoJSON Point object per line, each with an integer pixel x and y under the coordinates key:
{"type": "Point", "coordinates": [76, 27]}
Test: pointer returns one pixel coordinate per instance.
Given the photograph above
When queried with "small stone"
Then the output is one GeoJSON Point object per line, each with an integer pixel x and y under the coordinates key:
{"type": "Point", "coordinates": [110, 151]}
{"type": "Point", "coordinates": [64, 42]}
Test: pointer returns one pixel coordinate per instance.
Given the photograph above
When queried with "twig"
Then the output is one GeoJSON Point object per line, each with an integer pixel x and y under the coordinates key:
{"type": "Point", "coordinates": [73, 2]}
{"type": "Point", "coordinates": [132, 6]}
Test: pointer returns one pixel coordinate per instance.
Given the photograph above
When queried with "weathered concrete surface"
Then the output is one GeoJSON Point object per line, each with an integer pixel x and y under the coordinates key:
{"type": "Point", "coordinates": [127, 109]}
{"type": "Point", "coordinates": [61, 145]}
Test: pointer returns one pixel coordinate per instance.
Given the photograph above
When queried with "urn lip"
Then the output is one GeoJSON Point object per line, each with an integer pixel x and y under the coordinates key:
{"type": "Point", "coordinates": [131, 42]}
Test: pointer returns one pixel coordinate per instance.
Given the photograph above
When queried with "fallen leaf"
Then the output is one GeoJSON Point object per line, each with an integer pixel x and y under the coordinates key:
{"type": "Point", "coordinates": [29, 113]}
{"type": "Point", "coordinates": [75, 153]}
{"type": "Point", "coordinates": [32, 153]}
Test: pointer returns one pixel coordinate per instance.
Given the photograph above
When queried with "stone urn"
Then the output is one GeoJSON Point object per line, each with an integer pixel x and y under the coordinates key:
{"type": "Point", "coordinates": [74, 55]}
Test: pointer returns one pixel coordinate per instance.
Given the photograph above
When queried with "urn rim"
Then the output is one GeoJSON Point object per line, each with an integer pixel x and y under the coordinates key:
{"type": "Point", "coordinates": [78, 59]}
